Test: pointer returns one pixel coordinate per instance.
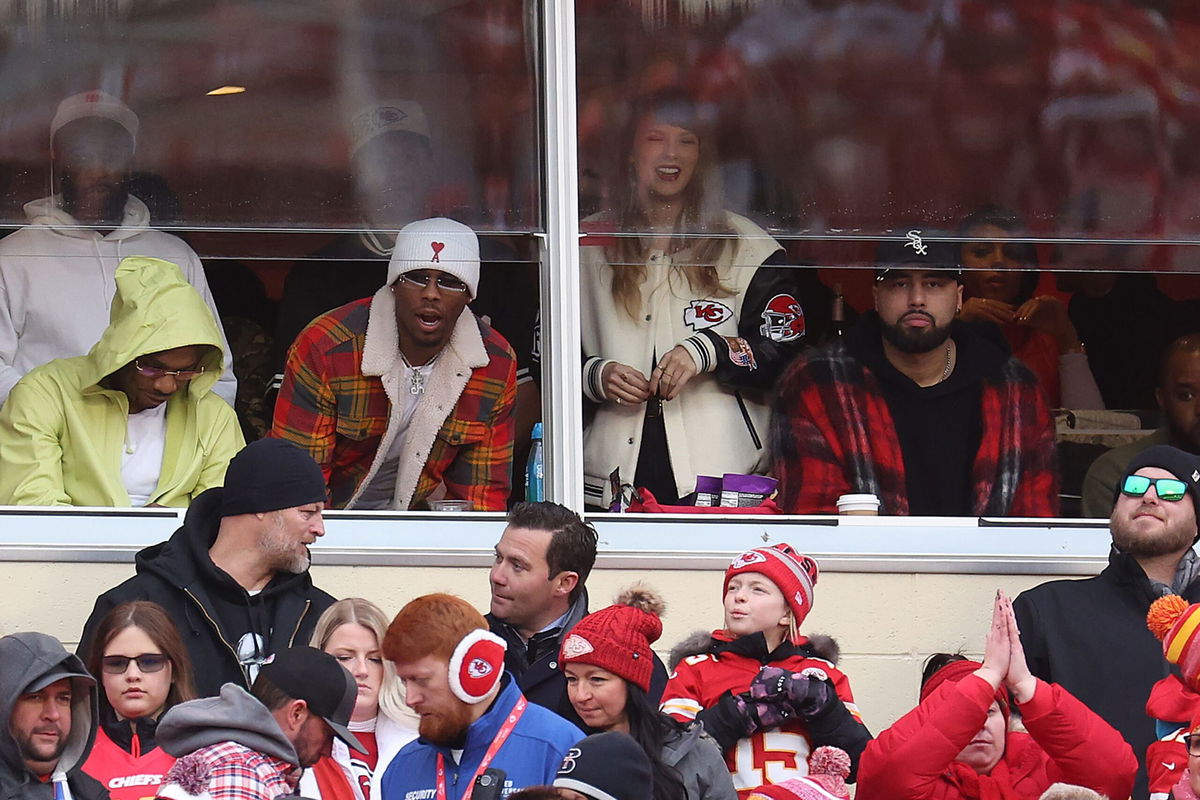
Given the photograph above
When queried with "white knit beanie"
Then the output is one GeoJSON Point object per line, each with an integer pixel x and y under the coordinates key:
{"type": "Point", "coordinates": [95, 104]}
{"type": "Point", "coordinates": [438, 243]}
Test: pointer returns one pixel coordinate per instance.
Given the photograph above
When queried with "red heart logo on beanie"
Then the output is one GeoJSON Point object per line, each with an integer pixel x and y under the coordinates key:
{"type": "Point", "coordinates": [437, 249]}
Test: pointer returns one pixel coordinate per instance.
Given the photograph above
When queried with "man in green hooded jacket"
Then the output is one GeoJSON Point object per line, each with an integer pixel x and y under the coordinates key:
{"type": "Point", "coordinates": [135, 421]}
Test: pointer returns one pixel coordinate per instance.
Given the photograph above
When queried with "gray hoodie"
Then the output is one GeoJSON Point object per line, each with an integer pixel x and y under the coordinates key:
{"type": "Point", "coordinates": [30, 659]}
{"type": "Point", "coordinates": [233, 716]}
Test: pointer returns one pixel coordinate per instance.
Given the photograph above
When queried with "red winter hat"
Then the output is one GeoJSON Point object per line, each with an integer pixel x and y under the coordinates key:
{"type": "Point", "coordinates": [828, 768]}
{"type": "Point", "coordinates": [795, 574]}
{"type": "Point", "coordinates": [618, 638]}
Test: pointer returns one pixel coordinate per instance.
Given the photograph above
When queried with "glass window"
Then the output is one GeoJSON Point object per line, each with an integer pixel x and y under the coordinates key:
{"type": "Point", "coordinates": [727, 146]}
{"type": "Point", "coordinates": [272, 151]}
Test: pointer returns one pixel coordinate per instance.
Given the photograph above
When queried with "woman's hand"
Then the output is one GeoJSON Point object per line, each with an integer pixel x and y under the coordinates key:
{"type": "Point", "coordinates": [625, 385]}
{"type": "Point", "coordinates": [673, 372]}
{"type": "Point", "coordinates": [979, 309]}
{"type": "Point", "coordinates": [1047, 313]}
{"type": "Point", "coordinates": [997, 649]}
{"type": "Point", "coordinates": [1019, 680]}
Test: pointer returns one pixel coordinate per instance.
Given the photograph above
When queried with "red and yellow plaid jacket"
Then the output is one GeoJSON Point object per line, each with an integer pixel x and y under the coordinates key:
{"type": "Point", "coordinates": [328, 407]}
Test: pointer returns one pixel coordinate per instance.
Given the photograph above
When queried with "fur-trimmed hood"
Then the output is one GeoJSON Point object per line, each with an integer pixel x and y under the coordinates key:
{"type": "Point", "coordinates": [701, 642]}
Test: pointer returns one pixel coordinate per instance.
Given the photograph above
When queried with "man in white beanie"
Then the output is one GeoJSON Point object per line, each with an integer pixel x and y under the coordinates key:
{"type": "Point", "coordinates": [57, 273]}
{"type": "Point", "coordinates": [398, 176]}
{"type": "Point", "coordinates": [407, 395]}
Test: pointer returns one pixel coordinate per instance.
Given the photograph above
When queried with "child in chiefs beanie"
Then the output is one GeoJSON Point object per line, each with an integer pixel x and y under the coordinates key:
{"type": "Point", "coordinates": [757, 684]}
{"type": "Point", "coordinates": [1175, 700]}
{"type": "Point", "coordinates": [607, 660]}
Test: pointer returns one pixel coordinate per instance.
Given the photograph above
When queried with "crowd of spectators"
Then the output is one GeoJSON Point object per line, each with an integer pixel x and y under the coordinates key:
{"type": "Point", "coordinates": [220, 671]}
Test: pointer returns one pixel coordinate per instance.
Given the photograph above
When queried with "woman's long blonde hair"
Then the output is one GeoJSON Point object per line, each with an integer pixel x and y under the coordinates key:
{"type": "Point", "coordinates": [356, 610]}
{"type": "Point", "coordinates": [703, 210]}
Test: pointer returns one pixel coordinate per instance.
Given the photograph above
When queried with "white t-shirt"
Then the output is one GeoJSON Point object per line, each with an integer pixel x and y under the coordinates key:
{"type": "Point", "coordinates": [382, 488]}
{"type": "Point", "coordinates": [141, 458]}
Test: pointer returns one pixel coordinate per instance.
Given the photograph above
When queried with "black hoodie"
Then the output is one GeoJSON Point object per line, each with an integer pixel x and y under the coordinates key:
{"type": "Point", "coordinates": [26, 658]}
{"type": "Point", "coordinates": [213, 613]}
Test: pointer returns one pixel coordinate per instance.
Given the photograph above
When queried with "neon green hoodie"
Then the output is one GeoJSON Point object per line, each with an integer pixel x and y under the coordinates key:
{"type": "Point", "coordinates": [62, 433]}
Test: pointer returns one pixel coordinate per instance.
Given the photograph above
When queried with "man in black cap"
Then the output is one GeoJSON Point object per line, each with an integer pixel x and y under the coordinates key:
{"type": "Point", "coordinates": [1090, 636]}
{"type": "Point", "coordinates": [240, 746]}
{"type": "Point", "coordinates": [234, 578]}
{"type": "Point", "coordinates": [930, 414]}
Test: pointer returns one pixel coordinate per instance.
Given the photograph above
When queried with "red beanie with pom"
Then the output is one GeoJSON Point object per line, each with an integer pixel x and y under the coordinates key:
{"type": "Point", "coordinates": [618, 638]}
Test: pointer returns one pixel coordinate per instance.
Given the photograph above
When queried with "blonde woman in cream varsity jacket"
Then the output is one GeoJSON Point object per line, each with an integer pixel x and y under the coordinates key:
{"type": "Point", "coordinates": [740, 343]}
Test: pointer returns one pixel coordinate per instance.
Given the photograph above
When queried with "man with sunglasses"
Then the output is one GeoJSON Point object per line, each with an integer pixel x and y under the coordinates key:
{"type": "Point", "coordinates": [135, 422]}
{"type": "Point", "coordinates": [1090, 636]}
{"type": "Point", "coordinates": [407, 394]}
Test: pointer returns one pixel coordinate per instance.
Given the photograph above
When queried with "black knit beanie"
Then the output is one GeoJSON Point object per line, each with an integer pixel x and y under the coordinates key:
{"type": "Point", "coordinates": [1182, 465]}
{"type": "Point", "coordinates": [607, 766]}
{"type": "Point", "coordinates": [268, 475]}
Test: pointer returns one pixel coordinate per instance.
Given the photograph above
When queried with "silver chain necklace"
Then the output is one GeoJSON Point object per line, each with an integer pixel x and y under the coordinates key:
{"type": "Point", "coordinates": [946, 371]}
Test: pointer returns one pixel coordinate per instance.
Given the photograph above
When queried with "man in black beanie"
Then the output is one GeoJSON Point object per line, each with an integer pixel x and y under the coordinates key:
{"type": "Point", "coordinates": [234, 578]}
{"type": "Point", "coordinates": [1090, 636]}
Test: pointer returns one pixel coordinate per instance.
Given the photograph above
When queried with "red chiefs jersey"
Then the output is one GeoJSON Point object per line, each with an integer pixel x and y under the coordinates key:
{"type": "Point", "coordinates": [768, 756]}
{"type": "Point", "coordinates": [126, 775]}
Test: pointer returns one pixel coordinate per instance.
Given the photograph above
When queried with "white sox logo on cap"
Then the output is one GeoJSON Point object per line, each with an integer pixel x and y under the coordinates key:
{"type": "Point", "coordinates": [477, 666]}
{"type": "Point", "coordinates": [747, 558]}
{"type": "Point", "coordinates": [576, 646]}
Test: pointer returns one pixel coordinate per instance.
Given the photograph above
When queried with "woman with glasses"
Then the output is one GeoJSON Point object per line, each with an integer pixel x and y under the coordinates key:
{"type": "Point", "coordinates": [143, 670]}
{"type": "Point", "coordinates": [957, 744]}
{"type": "Point", "coordinates": [135, 421]}
{"type": "Point", "coordinates": [999, 279]}
{"type": "Point", "coordinates": [686, 322]}
{"type": "Point", "coordinates": [350, 630]}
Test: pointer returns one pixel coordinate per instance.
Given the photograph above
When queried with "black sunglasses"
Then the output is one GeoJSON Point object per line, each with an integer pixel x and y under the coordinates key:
{"type": "Point", "coordinates": [146, 662]}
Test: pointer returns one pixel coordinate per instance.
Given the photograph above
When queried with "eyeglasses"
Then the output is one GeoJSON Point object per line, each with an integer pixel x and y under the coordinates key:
{"type": "Point", "coordinates": [1170, 489]}
{"type": "Point", "coordinates": [146, 662]}
{"type": "Point", "coordinates": [178, 374]}
{"type": "Point", "coordinates": [420, 280]}
{"type": "Point", "coordinates": [1192, 742]}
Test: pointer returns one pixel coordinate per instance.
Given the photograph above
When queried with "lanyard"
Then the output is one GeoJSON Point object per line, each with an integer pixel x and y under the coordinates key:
{"type": "Point", "coordinates": [497, 743]}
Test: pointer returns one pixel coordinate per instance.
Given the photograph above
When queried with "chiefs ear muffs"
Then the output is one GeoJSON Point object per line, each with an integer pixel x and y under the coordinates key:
{"type": "Point", "coordinates": [477, 666]}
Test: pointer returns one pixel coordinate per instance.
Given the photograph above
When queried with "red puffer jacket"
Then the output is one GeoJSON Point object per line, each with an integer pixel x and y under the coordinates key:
{"type": "Point", "coordinates": [1066, 742]}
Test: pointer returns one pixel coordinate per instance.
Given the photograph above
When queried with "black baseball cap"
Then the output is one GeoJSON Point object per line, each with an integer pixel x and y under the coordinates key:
{"type": "Point", "coordinates": [314, 676]}
{"type": "Point", "coordinates": [917, 250]}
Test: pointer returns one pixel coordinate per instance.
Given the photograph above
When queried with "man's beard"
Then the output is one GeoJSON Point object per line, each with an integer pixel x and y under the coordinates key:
{"type": "Point", "coordinates": [448, 727]}
{"type": "Point", "coordinates": [280, 552]}
{"type": "Point", "coordinates": [107, 204]}
{"type": "Point", "coordinates": [908, 339]}
{"type": "Point", "coordinates": [1149, 545]}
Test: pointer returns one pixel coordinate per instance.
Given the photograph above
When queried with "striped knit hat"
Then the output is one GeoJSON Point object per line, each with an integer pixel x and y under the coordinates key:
{"type": "Point", "coordinates": [1176, 623]}
{"type": "Point", "coordinates": [793, 573]}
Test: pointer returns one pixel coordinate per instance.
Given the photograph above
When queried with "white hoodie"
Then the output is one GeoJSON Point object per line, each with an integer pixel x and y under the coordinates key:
{"type": "Point", "coordinates": [56, 286]}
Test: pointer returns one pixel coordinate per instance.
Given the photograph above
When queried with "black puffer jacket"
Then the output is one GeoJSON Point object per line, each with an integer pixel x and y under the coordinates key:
{"type": "Point", "coordinates": [213, 613]}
